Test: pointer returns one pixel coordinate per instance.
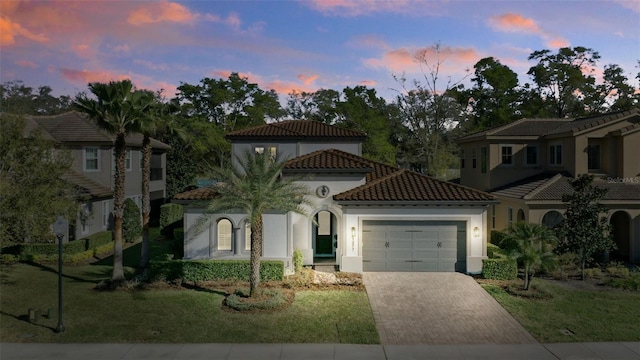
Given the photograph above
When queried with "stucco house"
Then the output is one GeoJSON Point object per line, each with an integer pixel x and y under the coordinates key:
{"type": "Point", "coordinates": [94, 166]}
{"type": "Point", "coordinates": [370, 216]}
{"type": "Point", "coordinates": [526, 165]}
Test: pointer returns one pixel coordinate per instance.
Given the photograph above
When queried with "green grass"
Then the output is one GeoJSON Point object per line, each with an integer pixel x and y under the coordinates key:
{"type": "Point", "coordinates": [590, 315]}
{"type": "Point", "coordinates": [170, 315]}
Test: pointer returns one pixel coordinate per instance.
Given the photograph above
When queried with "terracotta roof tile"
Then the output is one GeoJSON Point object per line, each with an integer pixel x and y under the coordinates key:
{"type": "Point", "coordinates": [294, 130]}
{"type": "Point", "coordinates": [384, 183]}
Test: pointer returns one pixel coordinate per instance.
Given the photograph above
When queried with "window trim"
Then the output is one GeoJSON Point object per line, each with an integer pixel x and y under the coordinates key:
{"type": "Point", "coordinates": [85, 159]}
{"type": "Point", "coordinates": [217, 236]}
{"type": "Point", "coordinates": [599, 159]}
{"type": "Point", "coordinates": [526, 155]}
{"type": "Point", "coordinates": [511, 155]}
{"type": "Point", "coordinates": [553, 154]}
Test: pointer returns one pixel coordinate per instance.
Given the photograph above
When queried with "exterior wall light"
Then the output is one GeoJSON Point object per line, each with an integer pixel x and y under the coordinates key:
{"type": "Point", "coordinates": [353, 238]}
{"type": "Point", "coordinates": [476, 231]}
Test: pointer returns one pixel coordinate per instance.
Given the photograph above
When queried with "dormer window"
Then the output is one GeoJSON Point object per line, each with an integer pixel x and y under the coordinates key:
{"type": "Point", "coordinates": [271, 150]}
{"type": "Point", "coordinates": [91, 159]}
{"type": "Point", "coordinates": [506, 152]}
{"type": "Point", "coordinates": [555, 154]}
{"type": "Point", "coordinates": [531, 155]}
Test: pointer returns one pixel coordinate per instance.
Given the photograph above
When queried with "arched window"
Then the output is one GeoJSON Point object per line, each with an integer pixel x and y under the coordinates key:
{"type": "Point", "coordinates": [551, 219]}
{"type": "Point", "coordinates": [224, 235]}
{"type": "Point", "coordinates": [247, 236]}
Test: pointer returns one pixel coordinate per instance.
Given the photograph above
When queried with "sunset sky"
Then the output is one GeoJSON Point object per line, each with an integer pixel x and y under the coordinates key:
{"type": "Point", "coordinates": [301, 45]}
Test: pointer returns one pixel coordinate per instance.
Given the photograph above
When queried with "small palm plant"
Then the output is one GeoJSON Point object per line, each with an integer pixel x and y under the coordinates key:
{"type": "Point", "coordinates": [532, 245]}
{"type": "Point", "coordinates": [253, 187]}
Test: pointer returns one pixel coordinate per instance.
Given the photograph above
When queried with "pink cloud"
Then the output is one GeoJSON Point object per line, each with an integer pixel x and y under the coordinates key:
{"type": "Point", "coordinates": [558, 42]}
{"type": "Point", "coordinates": [511, 22]}
{"type": "Point", "coordinates": [27, 64]}
{"type": "Point", "coordinates": [86, 76]}
{"type": "Point", "coordinates": [307, 79]}
{"type": "Point", "coordinates": [350, 8]}
{"type": "Point", "coordinates": [408, 60]}
{"type": "Point", "coordinates": [10, 30]}
{"type": "Point", "coordinates": [369, 83]}
{"type": "Point", "coordinates": [164, 11]}
{"type": "Point", "coordinates": [83, 51]}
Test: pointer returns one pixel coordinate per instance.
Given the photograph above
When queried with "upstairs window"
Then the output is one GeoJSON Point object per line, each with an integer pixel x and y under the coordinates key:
{"type": "Point", "coordinates": [271, 151]}
{"type": "Point", "coordinates": [91, 159]}
{"type": "Point", "coordinates": [506, 152]}
{"type": "Point", "coordinates": [593, 156]}
{"type": "Point", "coordinates": [531, 155]}
{"type": "Point", "coordinates": [127, 160]}
{"type": "Point", "coordinates": [555, 154]}
{"type": "Point", "coordinates": [473, 159]}
{"type": "Point", "coordinates": [483, 160]}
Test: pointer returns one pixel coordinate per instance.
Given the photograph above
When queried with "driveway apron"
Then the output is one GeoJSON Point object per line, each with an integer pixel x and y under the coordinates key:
{"type": "Point", "coordinates": [438, 309]}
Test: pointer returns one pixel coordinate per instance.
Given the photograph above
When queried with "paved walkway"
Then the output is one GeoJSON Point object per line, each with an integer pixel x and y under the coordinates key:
{"type": "Point", "coordinates": [438, 309]}
{"type": "Point", "coordinates": [573, 351]}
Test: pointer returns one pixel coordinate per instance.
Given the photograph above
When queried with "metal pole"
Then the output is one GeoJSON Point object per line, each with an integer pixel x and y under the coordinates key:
{"type": "Point", "coordinates": [60, 327]}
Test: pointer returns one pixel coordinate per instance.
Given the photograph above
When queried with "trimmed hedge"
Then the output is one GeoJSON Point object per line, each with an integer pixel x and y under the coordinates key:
{"type": "Point", "coordinates": [70, 248]}
{"type": "Point", "coordinates": [499, 269]}
{"type": "Point", "coordinates": [208, 270]}
{"type": "Point", "coordinates": [170, 218]}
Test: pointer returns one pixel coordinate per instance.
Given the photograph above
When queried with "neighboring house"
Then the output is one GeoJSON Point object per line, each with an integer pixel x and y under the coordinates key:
{"type": "Point", "coordinates": [527, 164]}
{"type": "Point", "coordinates": [368, 216]}
{"type": "Point", "coordinates": [94, 166]}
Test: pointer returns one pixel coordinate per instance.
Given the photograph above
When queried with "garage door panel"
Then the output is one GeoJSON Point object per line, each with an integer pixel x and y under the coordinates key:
{"type": "Point", "coordinates": [414, 246]}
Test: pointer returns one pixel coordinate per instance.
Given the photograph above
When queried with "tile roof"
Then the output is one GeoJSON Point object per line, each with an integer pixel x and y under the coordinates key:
{"type": "Point", "coordinates": [296, 130]}
{"type": "Point", "coordinates": [545, 127]}
{"type": "Point", "coordinates": [76, 127]}
{"type": "Point", "coordinates": [383, 184]}
{"type": "Point", "coordinates": [87, 186]}
{"type": "Point", "coordinates": [552, 186]}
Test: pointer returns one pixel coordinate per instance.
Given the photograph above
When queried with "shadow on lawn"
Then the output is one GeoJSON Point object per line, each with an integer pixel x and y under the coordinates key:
{"type": "Point", "coordinates": [25, 318]}
{"type": "Point", "coordinates": [55, 271]}
{"type": "Point", "coordinates": [204, 289]}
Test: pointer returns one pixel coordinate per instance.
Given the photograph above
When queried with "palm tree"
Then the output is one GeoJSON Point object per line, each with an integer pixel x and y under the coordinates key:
{"type": "Point", "coordinates": [531, 245]}
{"type": "Point", "coordinates": [253, 187]}
{"type": "Point", "coordinates": [116, 109]}
{"type": "Point", "coordinates": [159, 121]}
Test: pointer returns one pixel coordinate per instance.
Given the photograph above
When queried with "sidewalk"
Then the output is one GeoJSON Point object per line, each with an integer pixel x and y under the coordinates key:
{"type": "Point", "coordinates": [573, 351]}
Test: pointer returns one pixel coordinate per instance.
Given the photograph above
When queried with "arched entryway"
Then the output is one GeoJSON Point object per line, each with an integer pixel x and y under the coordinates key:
{"type": "Point", "coordinates": [621, 227]}
{"type": "Point", "coordinates": [325, 236]}
{"type": "Point", "coordinates": [520, 215]}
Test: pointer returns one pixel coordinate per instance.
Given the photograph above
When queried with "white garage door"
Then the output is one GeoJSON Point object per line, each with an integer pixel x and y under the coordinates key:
{"type": "Point", "coordinates": [414, 245]}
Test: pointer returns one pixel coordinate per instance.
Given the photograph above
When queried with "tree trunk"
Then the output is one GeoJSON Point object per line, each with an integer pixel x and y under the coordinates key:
{"type": "Point", "coordinates": [583, 266]}
{"type": "Point", "coordinates": [526, 279]}
{"type": "Point", "coordinates": [120, 149]}
{"type": "Point", "coordinates": [256, 252]}
{"type": "Point", "coordinates": [146, 204]}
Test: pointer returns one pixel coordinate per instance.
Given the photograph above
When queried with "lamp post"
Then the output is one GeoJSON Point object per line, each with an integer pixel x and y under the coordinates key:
{"type": "Point", "coordinates": [59, 229]}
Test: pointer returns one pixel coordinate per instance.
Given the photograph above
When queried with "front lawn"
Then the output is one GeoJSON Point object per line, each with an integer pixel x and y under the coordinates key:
{"type": "Point", "coordinates": [574, 315]}
{"type": "Point", "coordinates": [168, 314]}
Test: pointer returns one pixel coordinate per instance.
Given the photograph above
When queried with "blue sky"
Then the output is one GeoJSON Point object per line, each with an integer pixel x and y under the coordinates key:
{"type": "Point", "coordinates": [297, 45]}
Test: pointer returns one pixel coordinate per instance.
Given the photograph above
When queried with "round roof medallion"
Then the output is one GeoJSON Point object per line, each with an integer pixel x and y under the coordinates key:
{"type": "Point", "coordinates": [322, 191]}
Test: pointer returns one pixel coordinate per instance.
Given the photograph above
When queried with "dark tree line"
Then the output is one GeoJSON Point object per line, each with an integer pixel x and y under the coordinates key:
{"type": "Point", "coordinates": [416, 130]}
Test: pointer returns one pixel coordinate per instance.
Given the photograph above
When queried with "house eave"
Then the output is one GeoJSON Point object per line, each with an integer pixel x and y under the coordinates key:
{"type": "Point", "coordinates": [475, 203]}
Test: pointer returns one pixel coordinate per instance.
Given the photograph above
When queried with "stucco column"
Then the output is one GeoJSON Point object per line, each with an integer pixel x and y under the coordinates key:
{"type": "Point", "coordinates": [237, 246]}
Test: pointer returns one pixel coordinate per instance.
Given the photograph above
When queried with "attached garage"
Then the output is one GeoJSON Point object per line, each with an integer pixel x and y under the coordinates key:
{"type": "Point", "coordinates": [414, 245]}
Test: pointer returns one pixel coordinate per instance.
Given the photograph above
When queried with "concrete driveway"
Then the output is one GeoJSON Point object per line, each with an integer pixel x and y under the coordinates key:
{"type": "Point", "coordinates": [438, 309]}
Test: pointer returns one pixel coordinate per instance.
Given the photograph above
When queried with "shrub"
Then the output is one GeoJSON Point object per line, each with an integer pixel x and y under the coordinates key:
{"type": "Point", "coordinates": [499, 269]}
{"type": "Point", "coordinates": [8, 259]}
{"type": "Point", "coordinates": [493, 251]}
{"type": "Point", "coordinates": [131, 221]}
{"type": "Point", "coordinates": [630, 283]}
{"type": "Point", "coordinates": [170, 218]}
{"type": "Point", "coordinates": [298, 260]}
{"type": "Point", "coordinates": [496, 237]}
{"type": "Point", "coordinates": [98, 239]}
{"type": "Point", "coordinates": [72, 247]}
{"type": "Point", "coordinates": [619, 271]}
{"type": "Point", "coordinates": [593, 273]}
{"type": "Point", "coordinates": [209, 270]}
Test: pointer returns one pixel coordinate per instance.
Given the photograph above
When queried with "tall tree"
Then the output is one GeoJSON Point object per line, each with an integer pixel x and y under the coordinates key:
{"type": "Point", "coordinates": [321, 105]}
{"type": "Point", "coordinates": [495, 96]}
{"type": "Point", "coordinates": [254, 187]}
{"type": "Point", "coordinates": [159, 120]}
{"type": "Point", "coordinates": [116, 108]}
{"type": "Point", "coordinates": [532, 246]}
{"type": "Point", "coordinates": [585, 230]}
{"type": "Point", "coordinates": [562, 79]}
{"type": "Point", "coordinates": [615, 93]}
{"type": "Point", "coordinates": [214, 107]}
{"type": "Point", "coordinates": [33, 192]}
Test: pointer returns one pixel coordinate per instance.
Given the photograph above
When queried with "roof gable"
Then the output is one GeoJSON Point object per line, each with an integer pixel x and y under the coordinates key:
{"type": "Point", "coordinates": [296, 130]}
